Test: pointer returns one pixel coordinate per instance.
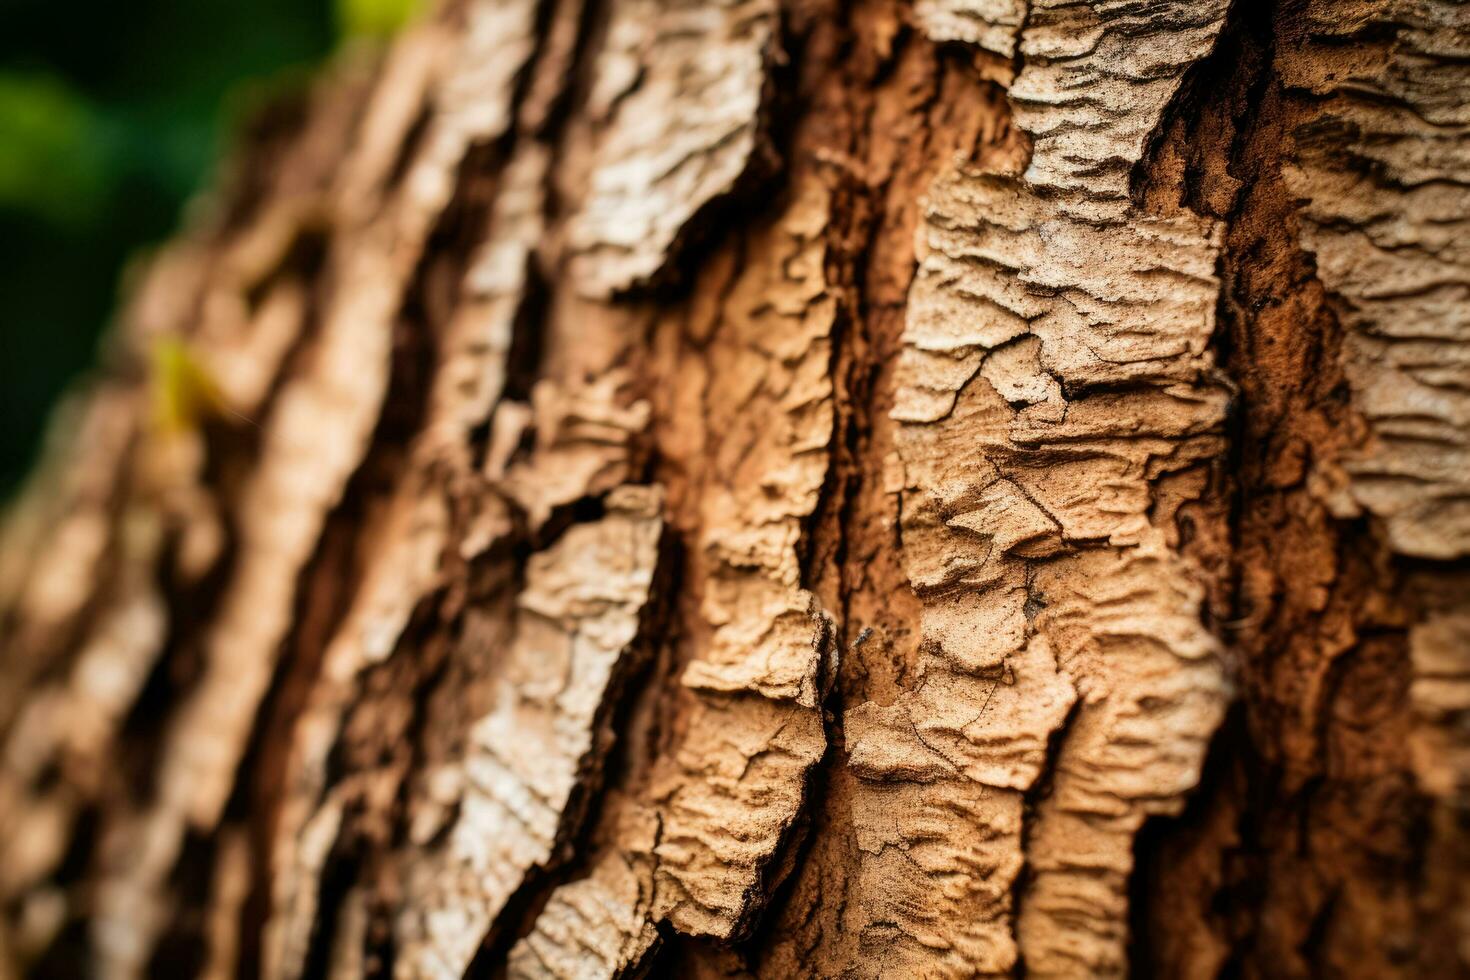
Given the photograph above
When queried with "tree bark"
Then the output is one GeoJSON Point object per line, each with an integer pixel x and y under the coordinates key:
{"type": "Point", "coordinates": [777, 488]}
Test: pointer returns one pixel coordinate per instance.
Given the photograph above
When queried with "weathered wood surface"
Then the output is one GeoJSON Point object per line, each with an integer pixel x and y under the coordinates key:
{"type": "Point", "coordinates": [780, 488]}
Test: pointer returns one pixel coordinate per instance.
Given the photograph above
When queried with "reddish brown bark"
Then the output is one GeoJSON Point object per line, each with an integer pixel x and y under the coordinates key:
{"type": "Point", "coordinates": [727, 487]}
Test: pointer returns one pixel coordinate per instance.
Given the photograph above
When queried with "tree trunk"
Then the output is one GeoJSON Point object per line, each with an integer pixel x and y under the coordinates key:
{"type": "Point", "coordinates": [729, 488]}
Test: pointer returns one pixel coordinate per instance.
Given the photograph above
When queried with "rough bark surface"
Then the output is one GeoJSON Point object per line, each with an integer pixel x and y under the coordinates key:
{"type": "Point", "coordinates": [777, 488]}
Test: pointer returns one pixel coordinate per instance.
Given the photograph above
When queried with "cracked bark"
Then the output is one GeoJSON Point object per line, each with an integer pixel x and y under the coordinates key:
{"type": "Point", "coordinates": [728, 487]}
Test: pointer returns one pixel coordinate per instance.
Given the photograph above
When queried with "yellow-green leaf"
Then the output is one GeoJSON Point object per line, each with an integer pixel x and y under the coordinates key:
{"type": "Point", "coordinates": [374, 18]}
{"type": "Point", "coordinates": [184, 394]}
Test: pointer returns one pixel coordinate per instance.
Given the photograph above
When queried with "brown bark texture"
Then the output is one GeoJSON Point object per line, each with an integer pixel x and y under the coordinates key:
{"type": "Point", "coordinates": [776, 488]}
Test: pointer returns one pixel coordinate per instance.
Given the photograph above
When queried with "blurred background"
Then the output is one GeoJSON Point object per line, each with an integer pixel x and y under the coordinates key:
{"type": "Point", "coordinates": [112, 113]}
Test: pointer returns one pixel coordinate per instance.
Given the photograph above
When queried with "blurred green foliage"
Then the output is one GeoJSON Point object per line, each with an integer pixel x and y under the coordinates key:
{"type": "Point", "coordinates": [111, 115]}
{"type": "Point", "coordinates": [55, 160]}
{"type": "Point", "coordinates": [374, 18]}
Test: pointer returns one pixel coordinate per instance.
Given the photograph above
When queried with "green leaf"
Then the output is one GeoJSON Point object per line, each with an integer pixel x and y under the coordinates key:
{"type": "Point", "coordinates": [53, 152]}
{"type": "Point", "coordinates": [374, 18]}
{"type": "Point", "coordinates": [184, 392]}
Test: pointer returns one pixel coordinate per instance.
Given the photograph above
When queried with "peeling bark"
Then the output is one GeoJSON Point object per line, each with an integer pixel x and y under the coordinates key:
{"type": "Point", "coordinates": [1055, 379]}
{"type": "Point", "coordinates": [744, 488]}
